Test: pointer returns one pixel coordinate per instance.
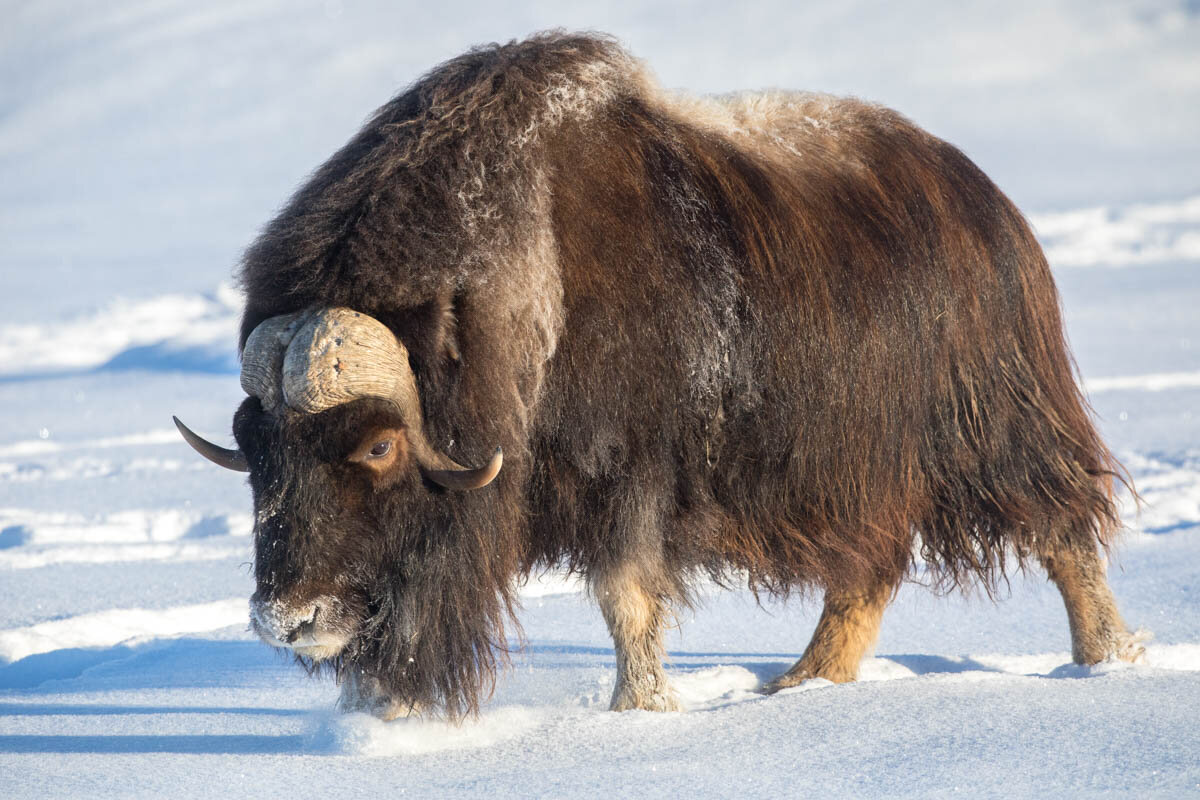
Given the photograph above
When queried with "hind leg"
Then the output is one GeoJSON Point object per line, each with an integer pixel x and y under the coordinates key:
{"type": "Point", "coordinates": [635, 612]}
{"type": "Point", "coordinates": [847, 630]}
{"type": "Point", "coordinates": [1097, 630]}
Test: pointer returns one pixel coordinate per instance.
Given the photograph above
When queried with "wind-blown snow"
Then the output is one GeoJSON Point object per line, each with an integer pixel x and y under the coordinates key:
{"type": "Point", "coordinates": [143, 144]}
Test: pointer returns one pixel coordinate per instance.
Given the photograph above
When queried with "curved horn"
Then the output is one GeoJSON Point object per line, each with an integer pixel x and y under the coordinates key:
{"type": "Point", "coordinates": [467, 479]}
{"type": "Point", "coordinates": [221, 456]}
{"type": "Point", "coordinates": [337, 355]}
{"type": "Point", "coordinates": [262, 357]}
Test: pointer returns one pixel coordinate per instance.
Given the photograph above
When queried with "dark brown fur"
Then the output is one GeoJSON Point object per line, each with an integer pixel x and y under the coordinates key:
{"type": "Point", "coordinates": [784, 340]}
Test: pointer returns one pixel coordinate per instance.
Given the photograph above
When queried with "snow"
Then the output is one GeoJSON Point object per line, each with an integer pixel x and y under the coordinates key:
{"type": "Point", "coordinates": [1150, 383]}
{"type": "Point", "coordinates": [1140, 234]}
{"type": "Point", "coordinates": [107, 628]}
{"type": "Point", "coordinates": [174, 331]}
{"type": "Point", "coordinates": [143, 143]}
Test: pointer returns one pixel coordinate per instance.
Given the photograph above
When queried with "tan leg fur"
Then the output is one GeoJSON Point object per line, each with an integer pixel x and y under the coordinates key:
{"type": "Point", "coordinates": [845, 633]}
{"type": "Point", "coordinates": [635, 614]}
{"type": "Point", "coordinates": [1097, 630]}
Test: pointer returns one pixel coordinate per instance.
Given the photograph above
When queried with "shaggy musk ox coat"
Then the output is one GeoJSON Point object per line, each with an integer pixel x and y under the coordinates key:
{"type": "Point", "coordinates": [785, 338]}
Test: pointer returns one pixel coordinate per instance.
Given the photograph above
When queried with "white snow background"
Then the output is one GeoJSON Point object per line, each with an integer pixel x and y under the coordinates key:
{"type": "Point", "coordinates": [142, 144]}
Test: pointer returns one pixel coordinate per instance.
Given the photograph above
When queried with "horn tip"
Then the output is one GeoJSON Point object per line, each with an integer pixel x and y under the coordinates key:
{"type": "Point", "coordinates": [221, 456]}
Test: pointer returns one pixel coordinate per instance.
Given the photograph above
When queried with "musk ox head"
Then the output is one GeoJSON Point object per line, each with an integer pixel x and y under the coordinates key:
{"type": "Point", "coordinates": [355, 537]}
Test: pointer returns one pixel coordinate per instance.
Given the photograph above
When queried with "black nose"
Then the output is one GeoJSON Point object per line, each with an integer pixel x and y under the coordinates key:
{"type": "Point", "coordinates": [306, 629]}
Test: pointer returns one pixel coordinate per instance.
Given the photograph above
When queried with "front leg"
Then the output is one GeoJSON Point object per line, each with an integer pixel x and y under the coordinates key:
{"type": "Point", "coordinates": [635, 612]}
{"type": "Point", "coordinates": [364, 693]}
{"type": "Point", "coordinates": [845, 633]}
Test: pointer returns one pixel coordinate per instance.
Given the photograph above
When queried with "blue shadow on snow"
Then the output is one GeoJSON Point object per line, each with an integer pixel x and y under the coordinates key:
{"type": "Point", "coordinates": [206, 744]}
{"type": "Point", "coordinates": [160, 357]}
{"type": "Point", "coordinates": [171, 664]}
{"type": "Point", "coordinates": [76, 710]}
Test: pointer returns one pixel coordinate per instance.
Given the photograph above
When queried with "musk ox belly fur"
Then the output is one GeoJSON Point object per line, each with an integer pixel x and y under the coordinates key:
{"type": "Point", "coordinates": [784, 338]}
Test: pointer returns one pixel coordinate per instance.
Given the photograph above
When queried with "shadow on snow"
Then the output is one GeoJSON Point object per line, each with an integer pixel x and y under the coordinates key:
{"type": "Point", "coordinates": [207, 744]}
{"type": "Point", "coordinates": [159, 357]}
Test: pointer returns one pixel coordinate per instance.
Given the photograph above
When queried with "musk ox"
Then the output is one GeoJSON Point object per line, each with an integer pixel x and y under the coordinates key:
{"type": "Point", "coordinates": [783, 338]}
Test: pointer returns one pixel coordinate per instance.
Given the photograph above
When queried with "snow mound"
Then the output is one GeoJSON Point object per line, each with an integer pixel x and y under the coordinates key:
{"type": "Point", "coordinates": [1170, 492]}
{"type": "Point", "coordinates": [1155, 382]}
{"type": "Point", "coordinates": [32, 539]}
{"type": "Point", "coordinates": [173, 331]}
{"type": "Point", "coordinates": [35, 447]}
{"type": "Point", "coordinates": [1131, 236]}
{"type": "Point", "coordinates": [113, 554]}
{"type": "Point", "coordinates": [109, 628]}
{"type": "Point", "coordinates": [61, 527]}
{"type": "Point", "coordinates": [90, 467]}
{"type": "Point", "coordinates": [715, 686]}
{"type": "Point", "coordinates": [360, 734]}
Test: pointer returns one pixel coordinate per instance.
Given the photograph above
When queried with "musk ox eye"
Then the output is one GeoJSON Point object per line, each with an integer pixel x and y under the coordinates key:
{"type": "Point", "coordinates": [380, 449]}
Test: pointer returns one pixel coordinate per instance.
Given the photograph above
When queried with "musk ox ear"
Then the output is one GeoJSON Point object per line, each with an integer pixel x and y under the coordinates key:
{"type": "Point", "coordinates": [429, 332]}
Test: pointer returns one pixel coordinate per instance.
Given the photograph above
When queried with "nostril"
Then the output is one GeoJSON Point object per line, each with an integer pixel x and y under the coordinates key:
{"type": "Point", "coordinates": [283, 624]}
{"type": "Point", "coordinates": [306, 629]}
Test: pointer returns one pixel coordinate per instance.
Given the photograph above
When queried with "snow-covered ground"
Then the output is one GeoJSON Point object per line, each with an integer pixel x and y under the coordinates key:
{"type": "Point", "coordinates": [141, 145]}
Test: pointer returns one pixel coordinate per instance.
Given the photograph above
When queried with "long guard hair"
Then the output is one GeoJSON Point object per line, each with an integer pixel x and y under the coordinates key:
{"type": "Point", "coordinates": [786, 336]}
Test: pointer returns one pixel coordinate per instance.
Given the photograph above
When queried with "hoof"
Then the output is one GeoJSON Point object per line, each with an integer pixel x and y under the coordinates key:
{"type": "Point", "coordinates": [1120, 645]}
{"type": "Point", "coordinates": [661, 700]}
{"type": "Point", "coordinates": [798, 675]}
{"type": "Point", "coordinates": [1131, 647]}
{"type": "Point", "coordinates": [365, 695]}
{"type": "Point", "coordinates": [785, 681]}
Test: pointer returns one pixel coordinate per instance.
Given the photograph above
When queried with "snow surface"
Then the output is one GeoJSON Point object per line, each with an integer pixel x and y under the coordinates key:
{"type": "Point", "coordinates": [142, 144]}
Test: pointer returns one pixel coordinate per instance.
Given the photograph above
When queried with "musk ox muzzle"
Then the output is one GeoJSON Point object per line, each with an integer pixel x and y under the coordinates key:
{"type": "Point", "coordinates": [309, 629]}
{"type": "Point", "coordinates": [313, 360]}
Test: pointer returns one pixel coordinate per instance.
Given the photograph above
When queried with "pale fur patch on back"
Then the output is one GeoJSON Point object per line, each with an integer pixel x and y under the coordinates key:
{"type": "Point", "coordinates": [526, 250]}
{"type": "Point", "coordinates": [578, 96]}
{"type": "Point", "coordinates": [775, 124]}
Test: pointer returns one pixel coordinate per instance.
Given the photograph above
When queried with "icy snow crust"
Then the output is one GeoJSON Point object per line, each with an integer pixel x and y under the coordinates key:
{"type": "Point", "coordinates": [141, 144]}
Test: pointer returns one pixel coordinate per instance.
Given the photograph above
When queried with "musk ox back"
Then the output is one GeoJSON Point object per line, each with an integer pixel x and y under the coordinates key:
{"type": "Point", "coordinates": [784, 338]}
